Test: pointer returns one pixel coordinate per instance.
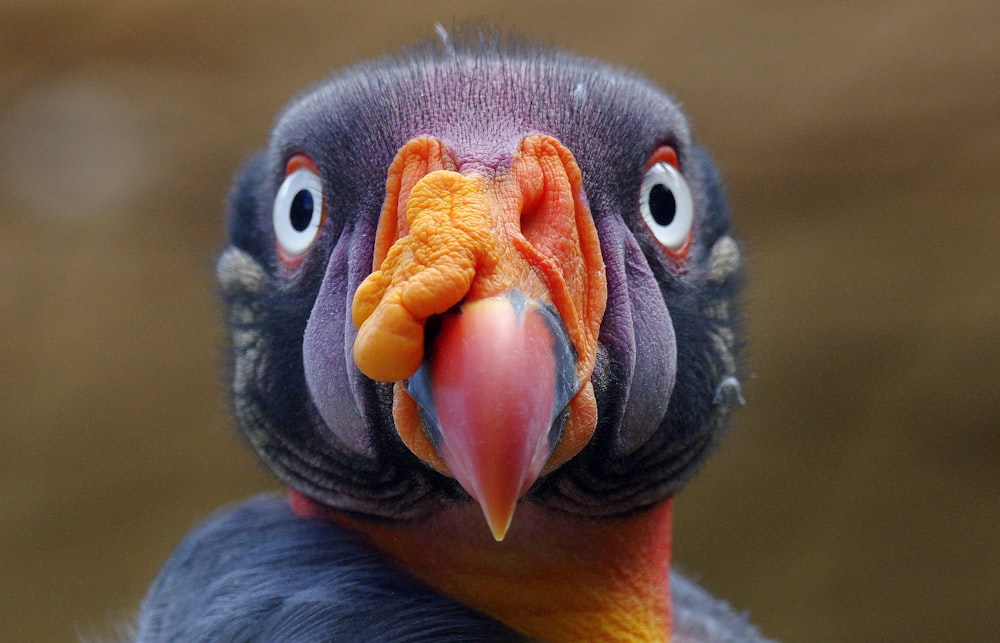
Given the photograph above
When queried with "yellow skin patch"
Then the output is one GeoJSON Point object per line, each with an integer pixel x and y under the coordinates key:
{"type": "Point", "coordinates": [445, 237]}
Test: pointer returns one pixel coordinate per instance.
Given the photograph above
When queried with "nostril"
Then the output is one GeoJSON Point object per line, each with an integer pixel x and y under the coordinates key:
{"type": "Point", "coordinates": [532, 223]}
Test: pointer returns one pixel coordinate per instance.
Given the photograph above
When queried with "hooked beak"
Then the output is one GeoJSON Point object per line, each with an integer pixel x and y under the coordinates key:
{"type": "Point", "coordinates": [492, 392]}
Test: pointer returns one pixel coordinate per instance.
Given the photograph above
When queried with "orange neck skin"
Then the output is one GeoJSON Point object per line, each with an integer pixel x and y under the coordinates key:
{"type": "Point", "coordinates": [553, 578]}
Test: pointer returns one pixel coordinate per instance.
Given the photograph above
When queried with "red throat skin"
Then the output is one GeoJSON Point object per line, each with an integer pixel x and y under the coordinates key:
{"type": "Point", "coordinates": [555, 578]}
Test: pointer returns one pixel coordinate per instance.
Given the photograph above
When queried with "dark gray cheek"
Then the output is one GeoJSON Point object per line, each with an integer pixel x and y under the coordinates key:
{"type": "Point", "coordinates": [327, 349]}
{"type": "Point", "coordinates": [243, 281]}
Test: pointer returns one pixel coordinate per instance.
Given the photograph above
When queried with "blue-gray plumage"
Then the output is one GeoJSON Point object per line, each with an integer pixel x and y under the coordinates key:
{"type": "Point", "coordinates": [258, 572]}
{"type": "Point", "coordinates": [615, 252]}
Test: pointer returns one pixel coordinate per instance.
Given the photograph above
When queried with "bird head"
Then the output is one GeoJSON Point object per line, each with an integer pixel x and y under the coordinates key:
{"type": "Point", "coordinates": [482, 275]}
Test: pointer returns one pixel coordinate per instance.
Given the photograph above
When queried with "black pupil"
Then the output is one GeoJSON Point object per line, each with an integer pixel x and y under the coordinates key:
{"type": "Point", "coordinates": [302, 210]}
{"type": "Point", "coordinates": [662, 205]}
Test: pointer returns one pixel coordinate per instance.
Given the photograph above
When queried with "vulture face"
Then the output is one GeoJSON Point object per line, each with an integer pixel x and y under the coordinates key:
{"type": "Point", "coordinates": [471, 281]}
{"type": "Point", "coordinates": [482, 275]}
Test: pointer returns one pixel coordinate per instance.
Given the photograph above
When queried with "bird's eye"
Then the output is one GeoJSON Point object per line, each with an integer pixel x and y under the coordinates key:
{"type": "Point", "coordinates": [298, 207]}
{"type": "Point", "coordinates": [666, 205]}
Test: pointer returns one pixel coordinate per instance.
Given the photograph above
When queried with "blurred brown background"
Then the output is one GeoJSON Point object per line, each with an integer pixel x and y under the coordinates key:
{"type": "Point", "coordinates": [857, 497]}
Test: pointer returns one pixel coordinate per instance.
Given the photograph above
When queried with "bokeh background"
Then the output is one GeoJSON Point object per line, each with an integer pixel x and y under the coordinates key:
{"type": "Point", "coordinates": [857, 496]}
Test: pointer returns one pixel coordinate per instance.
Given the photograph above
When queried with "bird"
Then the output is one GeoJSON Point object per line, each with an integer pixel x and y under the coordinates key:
{"type": "Point", "coordinates": [484, 309]}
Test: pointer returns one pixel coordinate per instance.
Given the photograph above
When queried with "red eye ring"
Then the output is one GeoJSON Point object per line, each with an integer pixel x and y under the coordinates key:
{"type": "Point", "coordinates": [663, 154]}
{"type": "Point", "coordinates": [299, 161]}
